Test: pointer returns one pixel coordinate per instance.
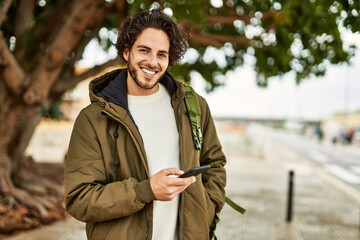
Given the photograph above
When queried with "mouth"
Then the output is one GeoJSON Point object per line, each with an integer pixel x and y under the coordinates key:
{"type": "Point", "coordinates": [148, 72]}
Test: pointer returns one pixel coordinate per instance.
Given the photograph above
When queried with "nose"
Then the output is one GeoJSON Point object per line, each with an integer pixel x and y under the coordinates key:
{"type": "Point", "coordinates": [152, 60]}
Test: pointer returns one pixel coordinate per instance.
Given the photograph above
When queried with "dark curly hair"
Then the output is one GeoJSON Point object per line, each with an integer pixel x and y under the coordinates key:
{"type": "Point", "coordinates": [133, 26]}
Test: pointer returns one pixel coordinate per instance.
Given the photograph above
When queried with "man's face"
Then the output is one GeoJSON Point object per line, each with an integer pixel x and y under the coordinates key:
{"type": "Point", "coordinates": [147, 60]}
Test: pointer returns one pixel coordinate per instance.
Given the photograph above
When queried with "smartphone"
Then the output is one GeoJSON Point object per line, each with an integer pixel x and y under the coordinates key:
{"type": "Point", "coordinates": [195, 171]}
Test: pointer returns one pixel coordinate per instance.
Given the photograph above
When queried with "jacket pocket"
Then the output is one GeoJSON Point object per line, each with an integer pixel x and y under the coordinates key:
{"type": "Point", "coordinates": [211, 209]}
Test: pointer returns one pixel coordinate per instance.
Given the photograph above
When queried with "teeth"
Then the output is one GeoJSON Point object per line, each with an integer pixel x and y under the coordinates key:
{"type": "Point", "coordinates": [148, 71]}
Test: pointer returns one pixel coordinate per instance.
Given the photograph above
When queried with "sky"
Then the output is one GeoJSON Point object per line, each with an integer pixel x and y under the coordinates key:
{"type": "Point", "coordinates": [314, 99]}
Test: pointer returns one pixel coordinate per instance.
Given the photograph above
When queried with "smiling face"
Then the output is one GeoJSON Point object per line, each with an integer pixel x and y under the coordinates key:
{"type": "Point", "coordinates": [147, 60]}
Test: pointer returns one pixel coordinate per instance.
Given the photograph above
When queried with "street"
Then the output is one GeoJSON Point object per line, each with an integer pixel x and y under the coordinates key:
{"type": "Point", "coordinates": [342, 162]}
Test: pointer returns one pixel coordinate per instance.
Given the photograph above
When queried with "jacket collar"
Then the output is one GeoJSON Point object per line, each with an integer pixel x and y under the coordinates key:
{"type": "Point", "coordinates": [112, 87]}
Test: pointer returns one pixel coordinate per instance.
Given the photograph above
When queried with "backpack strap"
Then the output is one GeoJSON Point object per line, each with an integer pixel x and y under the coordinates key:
{"type": "Point", "coordinates": [234, 206]}
{"type": "Point", "coordinates": [194, 113]}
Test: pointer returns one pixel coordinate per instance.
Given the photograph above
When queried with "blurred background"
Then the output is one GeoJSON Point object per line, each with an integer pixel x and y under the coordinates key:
{"type": "Point", "coordinates": [280, 78]}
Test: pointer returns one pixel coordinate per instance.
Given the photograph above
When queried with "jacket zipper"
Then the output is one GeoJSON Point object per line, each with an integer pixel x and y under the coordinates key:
{"type": "Point", "coordinates": [180, 163]}
{"type": "Point", "coordinates": [133, 138]}
{"type": "Point", "coordinates": [129, 131]}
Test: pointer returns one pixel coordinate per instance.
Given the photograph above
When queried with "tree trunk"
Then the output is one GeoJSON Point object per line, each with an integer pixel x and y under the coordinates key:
{"type": "Point", "coordinates": [28, 197]}
{"type": "Point", "coordinates": [26, 200]}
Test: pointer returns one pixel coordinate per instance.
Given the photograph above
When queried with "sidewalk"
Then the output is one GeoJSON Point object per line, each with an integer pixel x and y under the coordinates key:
{"type": "Point", "coordinates": [258, 181]}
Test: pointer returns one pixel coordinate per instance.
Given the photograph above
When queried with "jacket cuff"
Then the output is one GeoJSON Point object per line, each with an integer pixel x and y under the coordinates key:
{"type": "Point", "coordinates": [144, 192]}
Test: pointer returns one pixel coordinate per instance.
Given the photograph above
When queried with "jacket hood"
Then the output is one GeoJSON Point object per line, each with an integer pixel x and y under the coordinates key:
{"type": "Point", "coordinates": [112, 87]}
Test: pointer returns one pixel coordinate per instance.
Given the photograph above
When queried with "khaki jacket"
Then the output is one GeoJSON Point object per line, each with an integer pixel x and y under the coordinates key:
{"type": "Point", "coordinates": [109, 187]}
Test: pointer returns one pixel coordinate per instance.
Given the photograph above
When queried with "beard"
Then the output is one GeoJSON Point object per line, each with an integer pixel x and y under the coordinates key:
{"type": "Point", "coordinates": [145, 83]}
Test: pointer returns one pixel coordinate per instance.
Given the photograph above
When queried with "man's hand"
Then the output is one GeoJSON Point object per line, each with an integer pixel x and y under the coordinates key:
{"type": "Point", "coordinates": [165, 187]}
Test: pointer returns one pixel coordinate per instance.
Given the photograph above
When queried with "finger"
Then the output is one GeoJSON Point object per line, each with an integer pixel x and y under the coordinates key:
{"type": "Point", "coordinates": [189, 180]}
{"type": "Point", "coordinates": [172, 171]}
{"type": "Point", "coordinates": [183, 182]}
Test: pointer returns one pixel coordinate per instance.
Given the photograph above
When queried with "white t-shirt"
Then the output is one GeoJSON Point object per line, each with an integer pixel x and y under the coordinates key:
{"type": "Point", "coordinates": [155, 119]}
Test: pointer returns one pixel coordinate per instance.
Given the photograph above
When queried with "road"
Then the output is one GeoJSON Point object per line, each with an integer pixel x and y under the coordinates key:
{"type": "Point", "coordinates": [341, 162]}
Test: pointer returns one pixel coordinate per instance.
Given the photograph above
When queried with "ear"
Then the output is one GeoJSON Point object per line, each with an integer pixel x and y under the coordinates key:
{"type": "Point", "coordinates": [126, 54]}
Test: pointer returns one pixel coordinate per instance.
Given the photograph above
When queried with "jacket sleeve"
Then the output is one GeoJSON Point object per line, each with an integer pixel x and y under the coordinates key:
{"type": "Point", "coordinates": [88, 197]}
{"type": "Point", "coordinates": [214, 179]}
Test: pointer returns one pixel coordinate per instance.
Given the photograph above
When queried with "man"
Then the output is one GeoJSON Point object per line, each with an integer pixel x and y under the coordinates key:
{"type": "Point", "coordinates": [134, 137]}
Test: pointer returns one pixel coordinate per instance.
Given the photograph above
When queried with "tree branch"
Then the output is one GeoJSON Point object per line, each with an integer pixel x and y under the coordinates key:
{"type": "Point", "coordinates": [68, 36]}
{"type": "Point", "coordinates": [4, 7]}
{"type": "Point", "coordinates": [22, 26]}
{"type": "Point", "coordinates": [233, 39]}
{"type": "Point", "coordinates": [63, 85]}
{"type": "Point", "coordinates": [23, 17]}
{"type": "Point", "coordinates": [217, 41]}
{"type": "Point", "coordinates": [117, 6]}
{"type": "Point", "coordinates": [229, 19]}
{"type": "Point", "coordinates": [120, 5]}
{"type": "Point", "coordinates": [68, 70]}
{"type": "Point", "coordinates": [10, 71]}
{"type": "Point", "coordinates": [203, 40]}
{"type": "Point", "coordinates": [43, 33]}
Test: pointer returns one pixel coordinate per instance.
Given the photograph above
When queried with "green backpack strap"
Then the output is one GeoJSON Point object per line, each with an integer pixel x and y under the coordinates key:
{"type": "Point", "coordinates": [192, 105]}
{"type": "Point", "coordinates": [212, 235]}
{"type": "Point", "coordinates": [236, 207]}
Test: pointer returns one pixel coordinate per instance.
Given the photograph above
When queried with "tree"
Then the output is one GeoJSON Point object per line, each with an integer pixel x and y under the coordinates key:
{"type": "Point", "coordinates": [42, 41]}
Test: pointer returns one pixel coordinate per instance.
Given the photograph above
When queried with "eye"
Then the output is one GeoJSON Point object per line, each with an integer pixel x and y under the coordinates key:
{"type": "Point", "coordinates": [143, 50]}
{"type": "Point", "coordinates": [162, 55]}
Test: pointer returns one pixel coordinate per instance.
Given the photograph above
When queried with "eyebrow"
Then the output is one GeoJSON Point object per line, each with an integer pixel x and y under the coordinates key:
{"type": "Point", "coordinates": [148, 48]}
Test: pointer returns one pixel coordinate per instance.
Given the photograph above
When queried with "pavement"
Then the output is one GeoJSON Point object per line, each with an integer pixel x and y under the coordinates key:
{"type": "Point", "coordinates": [258, 180]}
